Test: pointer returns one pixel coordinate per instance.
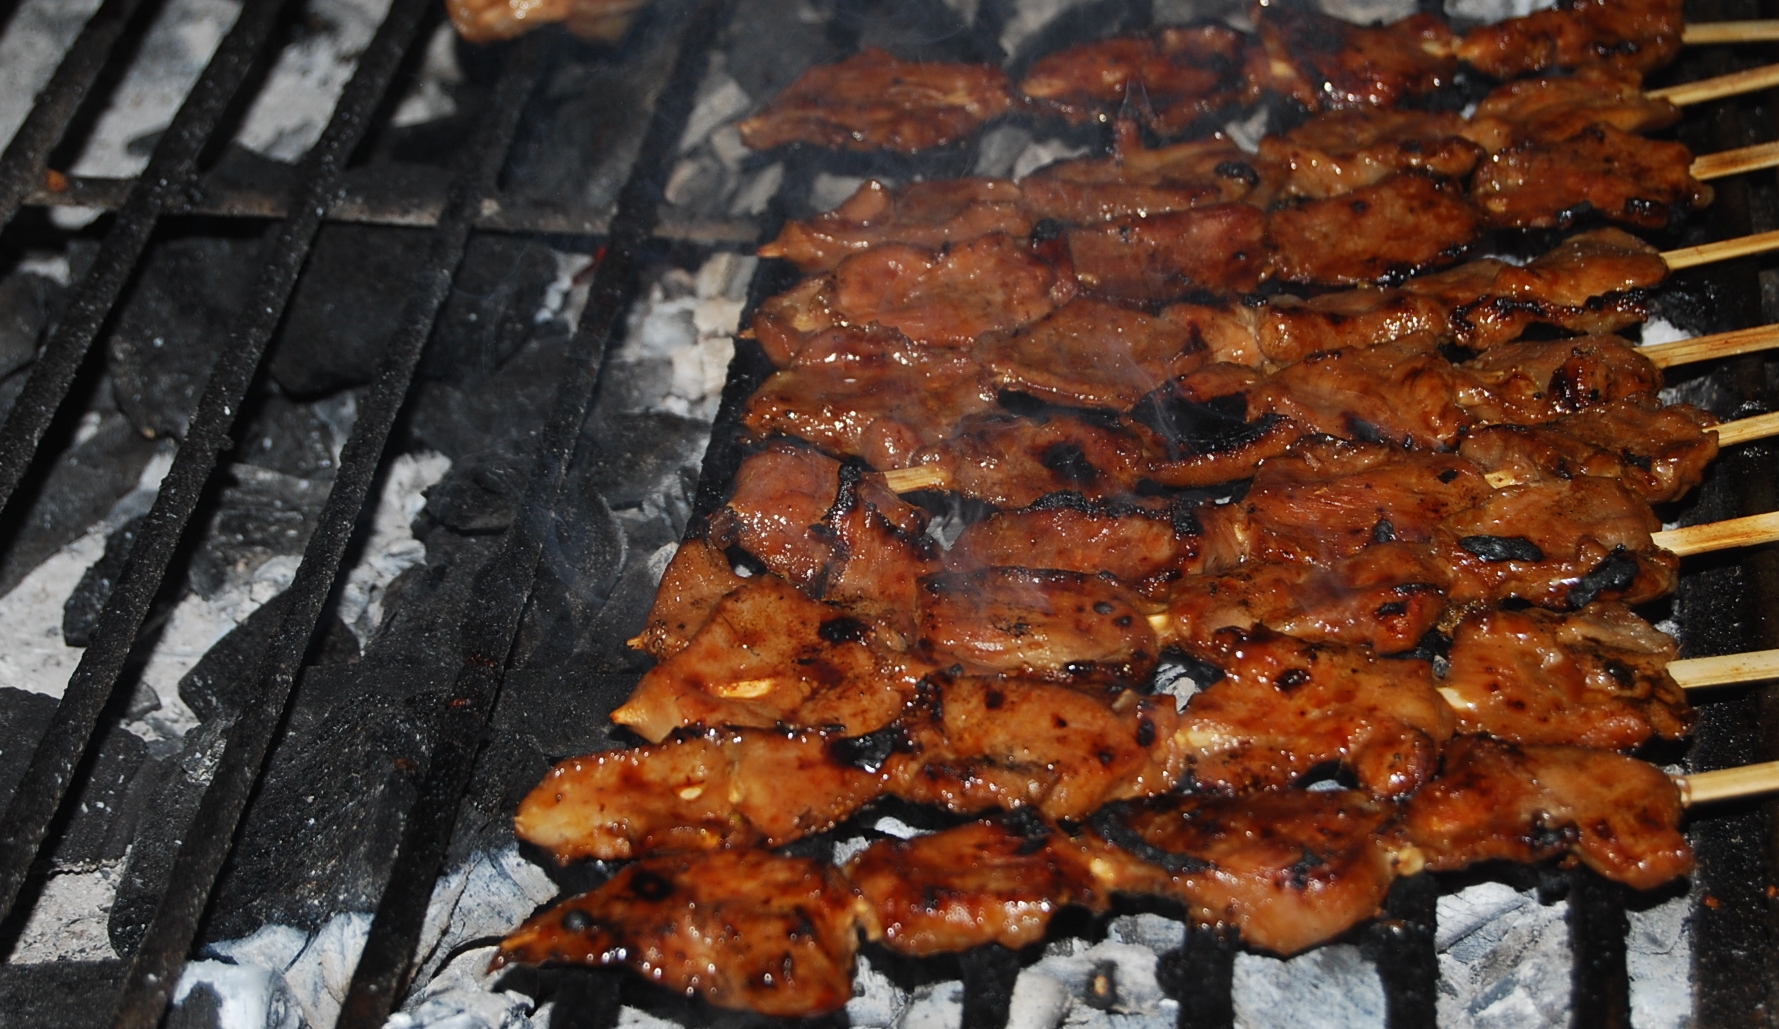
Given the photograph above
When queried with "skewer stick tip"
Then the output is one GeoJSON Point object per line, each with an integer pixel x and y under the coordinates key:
{"type": "Point", "coordinates": [1728, 783]}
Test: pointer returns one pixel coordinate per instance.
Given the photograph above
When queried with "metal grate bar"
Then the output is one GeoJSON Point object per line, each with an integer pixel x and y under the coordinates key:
{"type": "Point", "coordinates": [1204, 976]}
{"type": "Point", "coordinates": [169, 171]}
{"type": "Point", "coordinates": [1402, 945]}
{"type": "Point", "coordinates": [21, 166]}
{"type": "Point", "coordinates": [156, 965]}
{"type": "Point", "coordinates": [1601, 998]}
{"type": "Point", "coordinates": [502, 588]}
{"type": "Point", "coordinates": [40, 792]}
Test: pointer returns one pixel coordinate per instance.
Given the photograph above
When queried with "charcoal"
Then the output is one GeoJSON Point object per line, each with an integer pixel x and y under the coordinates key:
{"type": "Point", "coordinates": [259, 514]}
{"type": "Point", "coordinates": [81, 612]}
{"type": "Point", "coordinates": [24, 717]}
{"type": "Point", "coordinates": [174, 325]}
{"type": "Point", "coordinates": [478, 495]}
{"type": "Point", "coordinates": [107, 804]}
{"type": "Point", "coordinates": [772, 43]}
{"type": "Point", "coordinates": [424, 606]}
{"type": "Point", "coordinates": [494, 301]}
{"type": "Point", "coordinates": [346, 307]}
{"type": "Point", "coordinates": [78, 490]}
{"type": "Point", "coordinates": [286, 436]}
{"type": "Point", "coordinates": [319, 838]}
{"type": "Point", "coordinates": [60, 994]}
{"type": "Point", "coordinates": [639, 457]}
{"type": "Point", "coordinates": [201, 1009]}
{"type": "Point", "coordinates": [177, 793]}
{"type": "Point", "coordinates": [508, 768]}
{"type": "Point", "coordinates": [27, 302]}
{"type": "Point", "coordinates": [491, 413]}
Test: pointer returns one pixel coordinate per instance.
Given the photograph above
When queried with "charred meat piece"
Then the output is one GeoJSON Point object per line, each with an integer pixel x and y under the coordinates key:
{"type": "Point", "coordinates": [1045, 624]}
{"type": "Point", "coordinates": [1594, 678]}
{"type": "Point", "coordinates": [1137, 180]}
{"type": "Point", "coordinates": [1292, 329]}
{"type": "Point", "coordinates": [1657, 452]}
{"type": "Point", "coordinates": [949, 297]}
{"type": "Point", "coordinates": [1626, 35]}
{"type": "Point", "coordinates": [872, 101]}
{"type": "Point", "coordinates": [1498, 801]}
{"type": "Point", "coordinates": [1221, 248]}
{"type": "Point", "coordinates": [927, 214]}
{"type": "Point", "coordinates": [1556, 107]}
{"type": "Point", "coordinates": [1560, 544]}
{"type": "Point", "coordinates": [1289, 870]}
{"type": "Point", "coordinates": [770, 656]}
{"type": "Point", "coordinates": [1138, 545]}
{"type": "Point", "coordinates": [1398, 227]}
{"type": "Point", "coordinates": [1009, 461]}
{"type": "Point", "coordinates": [1325, 63]}
{"type": "Point", "coordinates": [1090, 353]}
{"type": "Point", "coordinates": [1009, 743]}
{"type": "Point", "coordinates": [1388, 596]}
{"type": "Point", "coordinates": [832, 530]}
{"type": "Point", "coordinates": [1600, 170]}
{"type": "Point", "coordinates": [1542, 380]}
{"type": "Point", "coordinates": [699, 576]}
{"type": "Point", "coordinates": [1338, 152]}
{"type": "Point", "coordinates": [742, 928]}
{"type": "Point", "coordinates": [486, 21]}
{"type": "Point", "coordinates": [1329, 499]}
{"type": "Point", "coordinates": [1174, 76]}
{"type": "Point", "coordinates": [1285, 707]}
{"type": "Point", "coordinates": [696, 791]}
{"type": "Point", "coordinates": [875, 395]}
{"type": "Point", "coordinates": [995, 881]}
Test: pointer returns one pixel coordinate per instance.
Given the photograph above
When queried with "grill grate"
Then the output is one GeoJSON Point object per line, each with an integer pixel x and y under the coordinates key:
{"type": "Point", "coordinates": [1200, 975]}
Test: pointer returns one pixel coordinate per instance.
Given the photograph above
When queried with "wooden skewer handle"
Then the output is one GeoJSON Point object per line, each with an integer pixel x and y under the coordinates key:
{"type": "Point", "coordinates": [1729, 669]}
{"type": "Point", "coordinates": [1733, 84]}
{"type": "Point", "coordinates": [1722, 250]}
{"type": "Point", "coordinates": [1708, 348]}
{"type": "Point", "coordinates": [1708, 32]}
{"type": "Point", "coordinates": [916, 477]}
{"type": "Point", "coordinates": [1734, 532]}
{"type": "Point", "coordinates": [1735, 162]}
{"type": "Point", "coordinates": [1724, 784]}
{"type": "Point", "coordinates": [1742, 430]}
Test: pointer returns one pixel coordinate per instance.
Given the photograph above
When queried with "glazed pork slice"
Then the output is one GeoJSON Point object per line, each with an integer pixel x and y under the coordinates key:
{"type": "Point", "coordinates": [1657, 452]}
{"type": "Point", "coordinates": [742, 928]}
{"type": "Point", "coordinates": [1497, 801]}
{"type": "Point", "coordinates": [1221, 248]}
{"type": "Point", "coordinates": [1137, 180]}
{"type": "Point", "coordinates": [1326, 63]}
{"type": "Point", "coordinates": [1556, 107]}
{"type": "Point", "coordinates": [1337, 152]}
{"type": "Point", "coordinates": [1544, 379]}
{"type": "Point", "coordinates": [1395, 228]}
{"type": "Point", "coordinates": [1285, 707]}
{"type": "Point", "coordinates": [1626, 35]}
{"type": "Point", "coordinates": [1070, 627]}
{"type": "Point", "coordinates": [1093, 353]}
{"type": "Point", "coordinates": [1011, 461]}
{"type": "Point", "coordinates": [1593, 678]}
{"type": "Point", "coordinates": [1288, 870]}
{"type": "Point", "coordinates": [872, 101]}
{"type": "Point", "coordinates": [769, 656]}
{"type": "Point", "coordinates": [1144, 546]}
{"type": "Point", "coordinates": [948, 297]}
{"type": "Point", "coordinates": [1600, 170]}
{"type": "Point", "coordinates": [1173, 75]}
{"type": "Point", "coordinates": [927, 214]}
{"type": "Point", "coordinates": [487, 21]}
{"type": "Point", "coordinates": [694, 582]}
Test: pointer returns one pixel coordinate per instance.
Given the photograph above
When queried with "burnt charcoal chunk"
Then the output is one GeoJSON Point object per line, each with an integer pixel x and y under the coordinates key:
{"type": "Point", "coordinates": [477, 496]}
{"type": "Point", "coordinates": [24, 717]}
{"type": "Point", "coordinates": [290, 437]}
{"type": "Point", "coordinates": [173, 327]}
{"type": "Point", "coordinates": [81, 611]}
{"type": "Point", "coordinates": [346, 307]}
{"type": "Point", "coordinates": [641, 457]}
{"type": "Point", "coordinates": [261, 514]}
{"type": "Point", "coordinates": [27, 302]}
{"type": "Point", "coordinates": [107, 803]}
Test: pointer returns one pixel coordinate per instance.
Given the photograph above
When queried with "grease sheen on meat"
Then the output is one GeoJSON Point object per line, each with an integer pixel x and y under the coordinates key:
{"type": "Point", "coordinates": [872, 101]}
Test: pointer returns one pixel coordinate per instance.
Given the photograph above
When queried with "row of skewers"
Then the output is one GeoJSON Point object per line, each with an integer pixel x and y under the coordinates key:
{"type": "Point", "coordinates": [1395, 546]}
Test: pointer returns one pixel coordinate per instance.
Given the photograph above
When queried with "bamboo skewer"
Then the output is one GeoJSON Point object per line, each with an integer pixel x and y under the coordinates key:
{"type": "Point", "coordinates": [1727, 670]}
{"type": "Point", "coordinates": [1722, 250]}
{"type": "Point", "coordinates": [1724, 535]}
{"type": "Point", "coordinates": [1733, 84]}
{"type": "Point", "coordinates": [1709, 32]}
{"type": "Point", "coordinates": [1728, 783]}
{"type": "Point", "coordinates": [1735, 162]}
{"type": "Point", "coordinates": [1709, 348]}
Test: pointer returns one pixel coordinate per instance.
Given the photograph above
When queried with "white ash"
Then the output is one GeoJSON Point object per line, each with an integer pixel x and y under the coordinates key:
{"type": "Point", "coordinates": [1247, 132]}
{"type": "Point", "coordinates": [1659, 955]}
{"type": "Point", "coordinates": [828, 191]}
{"type": "Point", "coordinates": [1504, 959]}
{"type": "Point", "coordinates": [1042, 153]}
{"type": "Point", "coordinates": [1029, 17]}
{"type": "Point", "coordinates": [69, 921]}
{"type": "Point", "coordinates": [429, 99]}
{"type": "Point", "coordinates": [1331, 985]}
{"type": "Point", "coordinates": [1107, 985]}
{"type": "Point", "coordinates": [757, 190]}
{"type": "Point", "coordinates": [1493, 10]}
{"type": "Point", "coordinates": [30, 50]}
{"type": "Point", "coordinates": [391, 548]}
{"type": "Point", "coordinates": [681, 336]}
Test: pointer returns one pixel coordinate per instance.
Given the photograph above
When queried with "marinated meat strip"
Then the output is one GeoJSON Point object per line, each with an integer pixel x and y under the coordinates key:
{"type": "Point", "coordinates": [1137, 180]}
{"type": "Point", "coordinates": [1010, 461]}
{"type": "Point", "coordinates": [1546, 379]}
{"type": "Point", "coordinates": [1557, 107]}
{"type": "Point", "coordinates": [1091, 353]}
{"type": "Point", "coordinates": [872, 101]}
{"type": "Point", "coordinates": [1627, 35]}
{"type": "Point", "coordinates": [1221, 248]}
{"type": "Point", "coordinates": [716, 788]}
{"type": "Point", "coordinates": [1286, 707]}
{"type": "Point", "coordinates": [999, 881]}
{"type": "Point", "coordinates": [1497, 801]}
{"type": "Point", "coordinates": [1601, 169]}
{"type": "Point", "coordinates": [1326, 63]}
{"type": "Point", "coordinates": [1142, 546]}
{"type": "Point", "coordinates": [744, 928]}
{"type": "Point", "coordinates": [1657, 452]}
{"type": "Point", "coordinates": [486, 21]}
{"type": "Point", "coordinates": [694, 582]}
{"type": "Point", "coordinates": [925, 214]}
{"type": "Point", "coordinates": [1398, 227]}
{"type": "Point", "coordinates": [1594, 678]}
{"type": "Point", "coordinates": [770, 656]}
{"type": "Point", "coordinates": [1037, 623]}
{"type": "Point", "coordinates": [1337, 152]}
{"type": "Point", "coordinates": [1288, 870]}
{"type": "Point", "coordinates": [876, 395]}
{"type": "Point", "coordinates": [1173, 75]}
{"type": "Point", "coordinates": [1388, 597]}
{"type": "Point", "coordinates": [951, 296]}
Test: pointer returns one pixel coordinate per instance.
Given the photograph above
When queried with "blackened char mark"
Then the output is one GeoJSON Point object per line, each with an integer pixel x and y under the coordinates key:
{"type": "Point", "coordinates": [1214, 426]}
{"type": "Point", "coordinates": [1613, 575]}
